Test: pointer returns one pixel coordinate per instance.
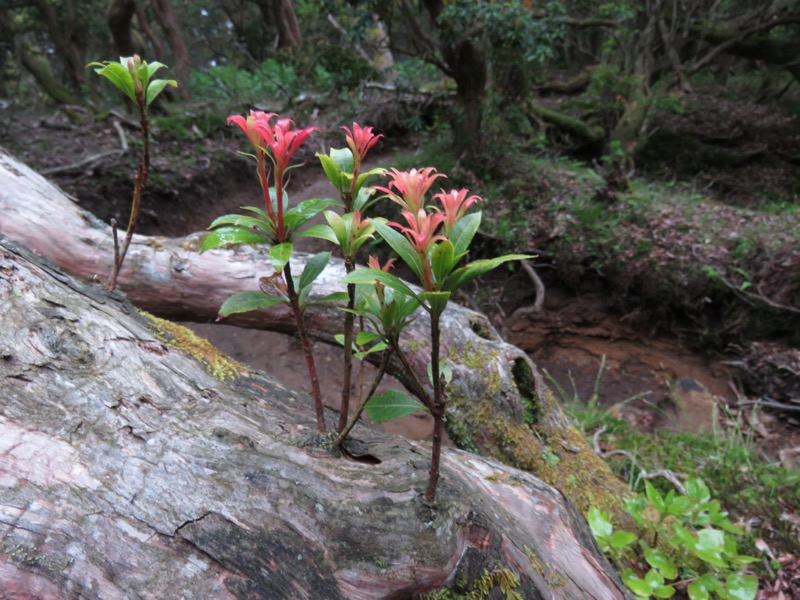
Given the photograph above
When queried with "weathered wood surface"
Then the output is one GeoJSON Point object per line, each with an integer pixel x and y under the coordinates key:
{"type": "Point", "coordinates": [496, 390]}
{"type": "Point", "coordinates": [127, 470]}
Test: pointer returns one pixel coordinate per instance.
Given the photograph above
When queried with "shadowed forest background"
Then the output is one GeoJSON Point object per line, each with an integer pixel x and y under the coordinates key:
{"type": "Point", "coordinates": [645, 150]}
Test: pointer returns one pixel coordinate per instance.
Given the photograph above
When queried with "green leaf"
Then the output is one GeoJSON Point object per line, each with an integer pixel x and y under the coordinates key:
{"type": "Point", "coordinates": [153, 67]}
{"type": "Point", "coordinates": [655, 497]}
{"type": "Point", "coordinates": [297, 216]}
{"type": "Point", "coordinates": [463, 232]}
{"type": "Point", "coordinates": [315, 265]}
{"type": "Point", "coordinates": [379, 347]}
{"type": "Point", "coordinates": [339, 228]}
{"type": "Point", "coordinates": [320, 231]}
{"type": "Point", "coordinates": [442, 260]}
{"type": "Point", "coordinates": [437, 301]}
{"type": "Point", "coordinates": [599, 523]}
{"type": "Point", "coordinates": [343, 158]}
{"type": "Point", "coordinates": [741, 587]}
{"type": "Point", "coordinates": [709, 546]}
{"type": "Point", "coordinates": [247, 301]}
{"type": "Point", "coordinates": [265, 227]}
{"type": "Point", "coordinates": [445, 371]}
{"type": "Point", "coordinates": [226, 236]}
{"type": "Point", "coordinates": [365, 337]}
{"type": "Point", "coordinates": [638, 586]}
{"type": "Point", "coordinates": [697, 490]}
{"type": "Point", "coordinates": [332, 172]}
{"type": "Point", "coordinates": [119, 76]}
{"type": "Point", "coordinates": [464, 275]}
{"type": "Point", "coordinates": [659, 560]}
{"type": "Point", "coordinates": [401, 245]}
{"type": "Point", "coordinates": [390, 405]}
{"type": "Point", "coordinates": [701, 588]}
{"type": "Point", "coordinates": [370, 276]}
{"type": "Point", "coordinates": [365, 197]}
{"type": "Point", "coordinates": [280, 254]}
{"type": "Point", "coordinates": [664, 591]}
{"type": "Point", "coordinates": [622, 538]}
{"type": "Point", "coordinates": [156, 87]}
{"type": "Point", "coordinates": [332, 297]}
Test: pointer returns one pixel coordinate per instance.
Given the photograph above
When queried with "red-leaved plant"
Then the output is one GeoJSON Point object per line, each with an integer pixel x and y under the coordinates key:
{"type": "Point", "coordinates": [432, 243]}
{"type": "Point", "coordinates": [279, 225]}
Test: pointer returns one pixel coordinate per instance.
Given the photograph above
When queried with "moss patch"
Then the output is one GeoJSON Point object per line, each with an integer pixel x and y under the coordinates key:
{"type": "Point", "coordinates": [178, 337]}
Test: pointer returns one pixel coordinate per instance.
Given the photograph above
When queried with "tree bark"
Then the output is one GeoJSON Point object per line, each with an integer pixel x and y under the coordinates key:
{"type": "Point", "coordinates": [281, 15]}
{"type": "Point", "coordinates": [62, 26]}
{"type": "Point", "coordinates": [37, 66]}
{"type": "Point", "coordinates": [498, 403]}
{"type": "Point", "coordinates": [127, 469]}
{"type": "Point", "coordinates": [162, 9]}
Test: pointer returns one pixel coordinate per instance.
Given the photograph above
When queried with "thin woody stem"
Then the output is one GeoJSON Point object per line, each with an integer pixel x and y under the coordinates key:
{"type": "Point", "coordinates": [419, 389]}
{"type": "Point", "coordinates": [316, 393]}
{"type": "Point", "coordinates": [349, 322]}
{"type": "Point", "coordinates": [138, 189]}
{"type": "Point", "coordinates": [378, 377]}
{"type": "Point", "coordinates": [438, 410]}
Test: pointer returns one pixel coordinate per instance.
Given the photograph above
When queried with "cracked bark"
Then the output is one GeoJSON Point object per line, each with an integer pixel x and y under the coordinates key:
{"type": "Point", "coordinates": [496, 389]}
{"type": "Point", "coordinates": [126, 470]}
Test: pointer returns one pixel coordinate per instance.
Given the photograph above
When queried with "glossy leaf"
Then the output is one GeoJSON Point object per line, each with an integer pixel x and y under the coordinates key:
{"type": "Point", "coordinates": [370, 276]}
{"type": "Point", "coordinates": [332, 172]}
{"type": "Point", "coordinates": [709, 546]}
{"type": "Point", "coordinates": [464, 275]}
{"type": "Point", "coordinates": [294, 218]}
{"type": "Point", "coordinates": [156, 87]}
{"type": "Point", "coordinates": [265, 227]}
{"type": "Point", "coordinates": [315, 265]}
{"type": "Point", "coordinates": [228, 236]}
{"type": "Point", "coordinates": [246, 302]}
{"type": "Point", "coordinates": [399, 244]}
{"type": "Point", "coordinates": [280, 254]}
{"type": "Point", "coordinates": [463, 232]}
{"type": "Point", "coordinates": [436, 301]}
{"type": "Point", "coordinates": [741, 587]}
{"type": "Point", "coordinates": [390, 405]}
{"type": "Point", "coordinates": [442, 261]}
{"type": "Point", "coordinates": [332, 297]}
{"type": "Point", "coordinates": [118, 75]}
{"type": "Point", "coordinates": [320, 231]}
{"type": "Point", "coordinates": [599, 523]}
{"type": "Point", "coordinates": [622, 538]}
{"type": "Point", "coordinates": [659, 560]}
{"type": "Point", "coordinates": [655, 497]}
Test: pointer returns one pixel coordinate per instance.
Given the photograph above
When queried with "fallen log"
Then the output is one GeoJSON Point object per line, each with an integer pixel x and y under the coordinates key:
{"type": "Point", "coordinates": [498, 403]}
{"type": "Point", "coordinates": [128, 470]}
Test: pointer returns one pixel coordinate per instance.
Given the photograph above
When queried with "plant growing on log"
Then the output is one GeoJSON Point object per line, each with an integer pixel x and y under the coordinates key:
{"type": "Point", "coordinates": [134, 78]}
{"type": "Point", "coordinates": [278, 225]}
{"type": "Point", "coordinates": [432, 245]}
{"type": "Point", "coordinates": [686, 543]}
{"type": "Point", "coordinates": [349, 231]}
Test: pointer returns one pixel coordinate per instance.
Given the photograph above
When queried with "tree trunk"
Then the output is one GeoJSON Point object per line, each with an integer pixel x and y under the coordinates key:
{"type": "Point", "coordinates": [280, 14]}
{"type": "Point", "coordinates": [127, 469]}
{"type": "Point", "coordinates": [62, 27]}
{"type": "Point", "coordinates": [162, 9]}
{"type": "Point", "coordinates": [119, 17]}
{"type": "Point", "coordinates": [496, 392]}
{"type": "Point", "coordinates": [36, 66]}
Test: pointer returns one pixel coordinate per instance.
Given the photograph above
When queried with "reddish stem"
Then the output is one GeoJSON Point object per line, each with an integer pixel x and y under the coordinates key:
{"type": "Point", "coordinates": [139, 182]}
{"type": "Point", "coordinates": [438, 410]}
{"type": "Point", "coordinates": [294, 302]}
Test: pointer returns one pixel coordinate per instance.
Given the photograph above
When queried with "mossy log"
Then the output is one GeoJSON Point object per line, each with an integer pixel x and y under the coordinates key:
{"type": "Point", "coordinates": [498, 403]}
{"type": "Point", "coordinates": [587, 133]}
{"type": "Point", "coordinates": [127, 469]}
